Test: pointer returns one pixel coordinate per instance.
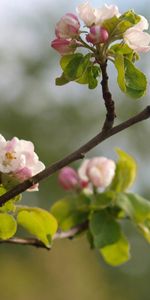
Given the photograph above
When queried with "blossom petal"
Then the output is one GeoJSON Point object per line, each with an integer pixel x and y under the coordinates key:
{"type": "Point", "coordinates": [137, 40]}
{"type": "Point", "coordinates": [86, 13]}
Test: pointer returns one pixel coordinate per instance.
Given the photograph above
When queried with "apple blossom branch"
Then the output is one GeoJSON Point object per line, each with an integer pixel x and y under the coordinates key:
{"type": "Point", "coordinates": [76, 155]}
{"type": "Point", "coordinates": [109, 103]}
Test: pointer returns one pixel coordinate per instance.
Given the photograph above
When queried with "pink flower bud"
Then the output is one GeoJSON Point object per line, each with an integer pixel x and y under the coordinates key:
{"type": "Point", "coordinates": [68, 178]}
{"type": "Point", "coordinates": [24, 174]}
{"type": "Point", "coordinates": [64, 46]}
{"type": "Point", "coordinates": [97, 35]}
{"type": "Point", "coordinates": [67, 27]}
{"type": "Point", "coordinates": [99, 171]}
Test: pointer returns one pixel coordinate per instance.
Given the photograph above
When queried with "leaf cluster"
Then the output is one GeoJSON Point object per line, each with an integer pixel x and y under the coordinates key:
{"type": "Point", "coordinates": [38, 222]}
{"type": "Point", "coordinates": [105, 213]}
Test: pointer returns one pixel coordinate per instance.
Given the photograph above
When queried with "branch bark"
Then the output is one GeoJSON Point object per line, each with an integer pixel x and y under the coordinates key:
{"type": "Point", "coordinates": [78, 154]}
{"type": "Point", "coordinates": [109, 103]}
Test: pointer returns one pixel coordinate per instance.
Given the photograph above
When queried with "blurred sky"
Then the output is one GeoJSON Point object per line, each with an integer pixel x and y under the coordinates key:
{"type": "Point", "coordinates": [9, 7]}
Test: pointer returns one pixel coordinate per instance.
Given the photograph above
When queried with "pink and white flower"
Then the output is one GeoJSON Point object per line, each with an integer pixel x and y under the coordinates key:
{"type": "Point", "coordinates": [67, 27]}
{"type": "Point", "coordinates": [64, 46]}
{"type": "Point", "coordinates": [136, 38]}
{"type": "Point", "coordinates": [98, 170]}
{"type": "Point", "coordinates": [69, 179]}
{"type": "Point", "coordinates": [91, 16]}
{"type": "Point", "coordinates": [17, 158]}
{"type": "Point", "coordinates": [97, 35]}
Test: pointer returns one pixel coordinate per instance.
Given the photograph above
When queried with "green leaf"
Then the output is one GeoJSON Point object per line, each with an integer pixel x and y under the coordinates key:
{"type": "Point", "coordinates": [38, 222]}
{"type": "Point", "coordinates": [130, 79]}
{"type": "Point", "coordinates": [104, 228]}
{"type": "Point", "coordinates": [103, 200]}
{"type": "Point", "coordinates": [119, 64]}
{"type": "Point", "coordinates": [62, 80]}
{"type": "Point", "coordinates": [118, 253]}
{"type": "Point", "coordinates": [125, 50]}
{"type": "Point", "coordinates": [93, 73]}
{"type": "Point", "coordinates": [135, 206]}
{"type": "Point", "coordinates": [127, 20]}
{"type": "Point", "coordinates": [117, 26]}
{"type": "Point", "coordinates": [9, 206]}
{"type": "Point", "coordinates": [8, 226]}
{"type": "Point", "coordinates": [110, 24]}
{"type": "Point", "coordinates": [71, 211]}
{"type": "Point", "coordinates": [131, 17]}
{"type": "Point", "coordinates": [138, 209]}
{"type": "Point", "coordinates": [135, 80]}
{"type": "Point", "coordinates": [78, 68]}
{"type": "Point", "coordinates": [125, 174]}
{"type": "Point", "coordinates": [71, 70]}
{"type": "Point", "coordinates": [90, 239]}
{"type": "Point", "coordinates": [66, 59]}
{"type": "Point", "coordinates": [145, 231]}
{"type": "Point", "coordinates": [121, 48]}
{"type": "Point", "coordinates": [84, 64]}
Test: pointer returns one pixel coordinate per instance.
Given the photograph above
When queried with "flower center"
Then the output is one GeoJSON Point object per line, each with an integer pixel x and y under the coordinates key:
{"type": "Point", "coordinates": [9, 156]}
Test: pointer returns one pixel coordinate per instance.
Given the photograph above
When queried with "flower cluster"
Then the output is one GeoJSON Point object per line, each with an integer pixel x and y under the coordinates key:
{"type": "Point", "coordinates": [69, 34]}
{"type": "Point", "coordinates": [97, 172]}
{"type": "Point", "coordinates": [18, 160]}
{"type": "Point", "coordinates": [67, 29]}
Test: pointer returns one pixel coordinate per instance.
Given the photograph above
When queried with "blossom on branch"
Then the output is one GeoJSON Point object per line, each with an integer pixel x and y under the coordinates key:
{"type": "Point", "coordinates": [69, 179]}
{"type": "Point", "coordinates": [98, 170]}
{"type": "Point", "coordinates": [67, 27]}
{"type": "Point", "coordinates": [136, 38]}
{"type": "Point", "coordinates": [92, 16]}
{"type": "Point", "coordinates": [18, 159]}
{"type": "Point", "coordinates": [64, 46]}
{"type": "Point", "coordinates": [97, 35]}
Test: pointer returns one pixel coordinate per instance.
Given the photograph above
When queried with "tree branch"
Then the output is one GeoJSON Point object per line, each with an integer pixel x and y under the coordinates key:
{"type": "Point", "coordinates": [109, 103]}
{"type": "Point", "coordinates": [78, 154]}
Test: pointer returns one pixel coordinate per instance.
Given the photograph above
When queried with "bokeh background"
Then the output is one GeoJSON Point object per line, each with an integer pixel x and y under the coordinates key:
{"type": "Point", "coordinates": [58, 120]}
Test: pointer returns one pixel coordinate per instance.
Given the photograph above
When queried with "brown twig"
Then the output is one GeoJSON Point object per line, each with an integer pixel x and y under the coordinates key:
{"type": "Point", "coordinates": [109, 103]}
{"type": "Point", "coordinates": [78, 154]}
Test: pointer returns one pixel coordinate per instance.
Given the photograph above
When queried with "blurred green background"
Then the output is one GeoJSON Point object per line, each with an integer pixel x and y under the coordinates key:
{"type": "Point", "coordinates": [58, 120]}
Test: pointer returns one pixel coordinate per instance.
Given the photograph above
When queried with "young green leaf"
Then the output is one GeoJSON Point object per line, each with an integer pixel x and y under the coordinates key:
{"type": "Point", "coordinates": [104, 228]}
{"type": "Point", "coordinates": [38, 222]}
{"type": "Point", "coordinates": [9, 206]}
{"type": "Point", "coordinates": [144, 229]}
{"type": "Point", "coordinates": [130, 79]}
{"type": "Point", "coordinates": [121, 48]}
{"type": "Point", "coordinates": [119, 64]}
{"type": "Point", "coordinates": [131, 17]}
{"type": "Point", "coordinates": [125, 174]}
{"type": "Point", "coordinates": [135, 206]}
{"type": "Point", "coordinates": [71, 211]}
{"type": "Point", "coordinates": [110, 24]}
{"type": "Point", "coordinates": [117, 26]}
{"type": "Point", "coordinates": [8, 226]}
{"type": "Point", "coordinates": [135, 80]}
{"type": "Point", "coordinates": [117, 253]}
{"type": "Point", "coordinates": [62, 80]}
{"type": "Point", "coordinates": [103, 200]}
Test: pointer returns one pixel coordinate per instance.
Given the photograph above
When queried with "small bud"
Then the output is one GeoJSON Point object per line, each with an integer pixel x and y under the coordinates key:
{"type": "Point", "coordinates": [67, 27]}
{"type": "Point", "coordinates": [97, 35]}
{"type": "Point", "coordinates": [64, 46]}
{"type": "Point", "coordinates": [68, 178]}
{"type": "Point", "coordinates": [98, 170]}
